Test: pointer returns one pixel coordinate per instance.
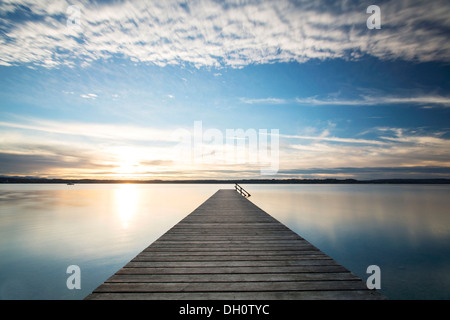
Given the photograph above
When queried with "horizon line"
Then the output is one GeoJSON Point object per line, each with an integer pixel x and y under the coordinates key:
{"type": "Point", "coordinates": [6, 179]}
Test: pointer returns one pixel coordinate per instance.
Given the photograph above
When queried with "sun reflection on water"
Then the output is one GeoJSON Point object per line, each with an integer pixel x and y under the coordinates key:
{"type": "Point", "coordinates": [127, 202]}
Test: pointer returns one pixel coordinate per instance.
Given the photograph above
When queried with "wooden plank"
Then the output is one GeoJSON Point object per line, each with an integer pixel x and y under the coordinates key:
{"type": "Point", "coordinates": [231, 263]}
{"type": "Point", "coordinates": [199, 270]}
{"type": "Point", "coordinates": [239, 295]}
{"type": "Point", "coordinates": [155, 258]}
{"type": "Point", "coordinates": [232, 238]}
{"type": "Point", "coordinates": [258, 277]}
{"type": "Point", "coordinates": [230, 245]}
{"type": "Point", "coordinates": [209, 225]}
{"type": "Point", "coordinates": [228, 248]}
{"type": "Point", "coordinates": [289, 253]}
{"type": "Point", "coordinates": [231, 242]}
{"type": "Point", "coordinates": [242, 286]}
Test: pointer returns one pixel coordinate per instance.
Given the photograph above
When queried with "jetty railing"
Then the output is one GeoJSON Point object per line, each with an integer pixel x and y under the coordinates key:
{"type": "Point", "coordinates": [241, 190]}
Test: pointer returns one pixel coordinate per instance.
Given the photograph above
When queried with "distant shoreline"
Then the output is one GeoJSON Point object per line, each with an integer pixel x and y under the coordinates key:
{"type": "Point", "coordinates": [13, 180]}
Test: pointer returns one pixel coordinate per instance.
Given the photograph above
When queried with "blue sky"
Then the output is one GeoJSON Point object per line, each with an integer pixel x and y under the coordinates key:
{"type": "Point", "coordinates": [98, 90]}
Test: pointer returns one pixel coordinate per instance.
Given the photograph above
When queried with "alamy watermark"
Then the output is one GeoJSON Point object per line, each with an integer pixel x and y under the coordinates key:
{"type": "Point", "coordinates": [73, 21]}
{"type": "Point", "coordinates": [233, 147]}
{"type": "Point", "coordinates": [374, 21]}
{"type": "Point", "coordinates": [373, 281]}
{"type": "Point", "coordinates": [74, 280]}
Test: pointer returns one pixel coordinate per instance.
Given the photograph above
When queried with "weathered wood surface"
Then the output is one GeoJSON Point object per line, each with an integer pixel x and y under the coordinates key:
{"type": "Point", "coordinates": [228, 248]}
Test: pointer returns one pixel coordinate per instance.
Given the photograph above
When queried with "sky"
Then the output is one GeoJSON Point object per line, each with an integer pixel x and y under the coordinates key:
{"type": "Point", "coordinates": [224, 89]}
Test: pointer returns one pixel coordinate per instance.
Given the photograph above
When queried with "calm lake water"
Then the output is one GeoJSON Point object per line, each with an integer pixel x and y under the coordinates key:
{"type": "Point", "coordinates": [44, 228]}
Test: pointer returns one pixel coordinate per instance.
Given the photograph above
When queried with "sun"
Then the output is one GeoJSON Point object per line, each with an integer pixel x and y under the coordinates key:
{"type": "Point", "coordinates": [127, 161]}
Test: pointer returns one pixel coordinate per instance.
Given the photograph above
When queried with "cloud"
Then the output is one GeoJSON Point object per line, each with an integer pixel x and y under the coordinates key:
{"type": "Point", "coordinates": [64, 149]}
{"type": "Point", "coordinates": [47, 148]}
{"type": "Point", "coordinates": [264, 101]}
{"type": "Point", "coordinates": [89, 96]}
{"type": "Point", "coordinates": [111, 132]}
{"type": "Point", "coordinates": [427, 100]}
{"type": "Point", "coordinates": [37, 164]}
{"type": "Point", "coordinates": [217, 34]}
{"type": "Point", "coordinates": [391, 148]}
{"type": "Point", "coordinates": [379, 100]}
{"type": "Point", "coordinates": [412, 172]}
{"type": "Point", "coordinates": [334, 139]}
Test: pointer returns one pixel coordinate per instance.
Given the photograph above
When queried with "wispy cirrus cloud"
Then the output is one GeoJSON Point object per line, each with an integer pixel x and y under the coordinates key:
{"type": "Point", "coordinates": [89, 96]}
{"type": "Point", "coordinates": [377, 100]}
{"type": "Point", "coordinates": [211, 33]}
{"type": "Point", "coordinates": [399, 149]}
{"type": "Point", "coordinates": [113, 132]}
{"type": "Point", "coordinates": [361, 101]}
{"type": "Point", "coordinates": [264, 101]}
{"type": "Point", "coordinates": [334, 139]}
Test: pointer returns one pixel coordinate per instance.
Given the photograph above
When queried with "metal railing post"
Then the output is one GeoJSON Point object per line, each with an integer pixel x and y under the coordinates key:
{"type": "Point", "coordinates": [241, 190]}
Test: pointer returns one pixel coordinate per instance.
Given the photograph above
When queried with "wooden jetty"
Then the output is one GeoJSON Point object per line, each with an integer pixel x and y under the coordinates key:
{"type": "Point", "coordinates": [228, 248]}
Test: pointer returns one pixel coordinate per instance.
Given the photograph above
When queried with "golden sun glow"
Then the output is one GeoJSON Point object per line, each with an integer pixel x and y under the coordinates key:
{"type": "Point", "coordinates": [127, 202]}
{"type": "Point", "coordinates": [127, 161]}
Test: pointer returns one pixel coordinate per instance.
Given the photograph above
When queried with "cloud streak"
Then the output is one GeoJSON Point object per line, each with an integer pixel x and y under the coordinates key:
{"type": "Point", "coordinates": [111, 132]}
{"type": "Point", "coordinates": [111, 151]}
{"type": "Point", "coordinates": [380, 100]}
{"type": "Point", "coordinates": [363, 101]}
{"type": "Point", "coordinates": [89, 96]}
{"type": "Point", "coordinates": [391, 148]}
{"type": "Point", "coordinates": [215, 34]}
{"type": "Point", "coordinates": [264, 101]}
